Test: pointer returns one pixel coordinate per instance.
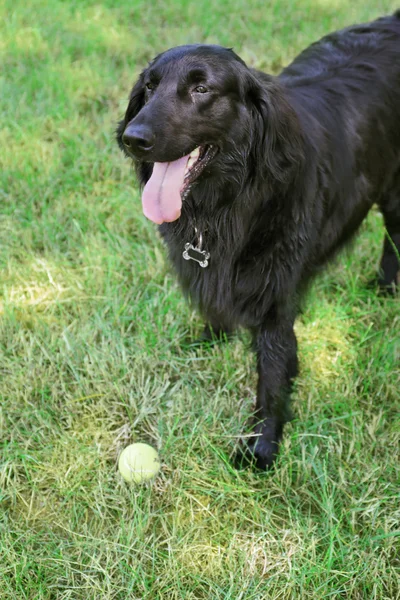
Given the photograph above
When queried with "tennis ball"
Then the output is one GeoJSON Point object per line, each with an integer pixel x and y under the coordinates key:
{"type": "Point", "coordinates": [138, 463]}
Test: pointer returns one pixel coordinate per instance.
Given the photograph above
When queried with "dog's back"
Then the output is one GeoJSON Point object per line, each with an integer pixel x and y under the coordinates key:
{"type": "Point", "coordinates": [346, 89]}
{"type": "Point", "coordinates": [359, 48]}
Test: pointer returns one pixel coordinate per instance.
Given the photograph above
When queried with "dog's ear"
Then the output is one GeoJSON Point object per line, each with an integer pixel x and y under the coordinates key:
{"type": "Point", "coordinates": [277, 137]}
{"type": "Point", "coordinates": [136, 99]}
{"type": "Point", "coordinates": [136, 102]}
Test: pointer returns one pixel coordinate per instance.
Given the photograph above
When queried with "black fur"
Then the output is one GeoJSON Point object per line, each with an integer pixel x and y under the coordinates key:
{"type": "Point", "coordinates": [302, 158]}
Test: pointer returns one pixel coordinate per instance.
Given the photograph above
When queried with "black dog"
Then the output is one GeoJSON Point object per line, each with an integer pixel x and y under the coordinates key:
{"type": "Point", "coordinates": [258, 181]}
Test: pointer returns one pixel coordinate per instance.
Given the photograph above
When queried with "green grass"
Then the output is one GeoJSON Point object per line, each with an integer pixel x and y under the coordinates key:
{"type": "Point", "coordinates": [92, 353]}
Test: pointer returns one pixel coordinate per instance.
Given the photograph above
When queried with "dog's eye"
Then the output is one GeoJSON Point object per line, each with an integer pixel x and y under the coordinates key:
{"type": "Point", "coordinates": [201, 89]}
{"type": "Point", "coordinates": [150, 86]}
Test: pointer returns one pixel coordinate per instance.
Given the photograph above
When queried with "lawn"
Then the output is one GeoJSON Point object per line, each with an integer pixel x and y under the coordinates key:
{"type": "Point", "coordinates": [94, 353]}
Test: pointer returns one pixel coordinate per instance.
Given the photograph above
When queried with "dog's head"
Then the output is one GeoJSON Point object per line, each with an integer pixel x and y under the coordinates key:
{"type": "Point", "coordinates": [192, 111]}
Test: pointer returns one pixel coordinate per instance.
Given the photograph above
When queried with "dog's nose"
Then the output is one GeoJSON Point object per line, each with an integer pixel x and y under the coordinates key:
{"type": "Point", "coordinates": [138, 138]}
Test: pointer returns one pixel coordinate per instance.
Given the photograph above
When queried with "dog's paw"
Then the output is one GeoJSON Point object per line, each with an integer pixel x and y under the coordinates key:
{"type": "Point", "coordinates": [385, 286]}
{"type": "Point", "coordinates": [261, 449]}
{"type": "Point", "coordinates": [258, 453]}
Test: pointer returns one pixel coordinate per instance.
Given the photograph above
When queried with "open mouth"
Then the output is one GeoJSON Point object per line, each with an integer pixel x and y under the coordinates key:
{"type": "Point", "coordinates": [170, 183]}
{"type": "Point", "coordinates": [197, 162]}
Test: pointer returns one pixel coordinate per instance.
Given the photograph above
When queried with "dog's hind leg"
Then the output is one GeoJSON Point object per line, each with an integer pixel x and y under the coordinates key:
{"type": "Point", "coordinates": [211, 334]}
{"type": "Point", "coordinates": [214, 333]}
{"type": "Point", "coordinates": [389, 275]}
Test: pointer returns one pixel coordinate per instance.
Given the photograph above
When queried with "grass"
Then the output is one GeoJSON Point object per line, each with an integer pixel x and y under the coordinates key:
{"type": "Point", "coordinates": [92, 352]}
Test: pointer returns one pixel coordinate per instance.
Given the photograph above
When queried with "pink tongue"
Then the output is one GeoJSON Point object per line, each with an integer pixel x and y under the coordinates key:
{"type": "Point", "coordinates": [161, 196]}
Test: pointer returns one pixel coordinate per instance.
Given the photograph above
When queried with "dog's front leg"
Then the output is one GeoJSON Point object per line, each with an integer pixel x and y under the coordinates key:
{"type": "Point", "coordinates": [276, 348]}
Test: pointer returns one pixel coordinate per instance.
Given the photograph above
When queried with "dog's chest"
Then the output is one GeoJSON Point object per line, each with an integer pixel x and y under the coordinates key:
{"type": "Point", "coordinates": [221, 289]}
{"type": "Point", "coordinates": [219, 274]}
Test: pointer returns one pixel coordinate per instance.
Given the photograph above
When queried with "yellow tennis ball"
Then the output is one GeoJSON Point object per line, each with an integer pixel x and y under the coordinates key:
{"type": "Point", "coordinates": [138, 462]}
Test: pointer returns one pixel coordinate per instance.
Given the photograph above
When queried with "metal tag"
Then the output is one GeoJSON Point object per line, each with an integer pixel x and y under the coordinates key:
{"type": "Point", "coordinates": [196, 254]}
